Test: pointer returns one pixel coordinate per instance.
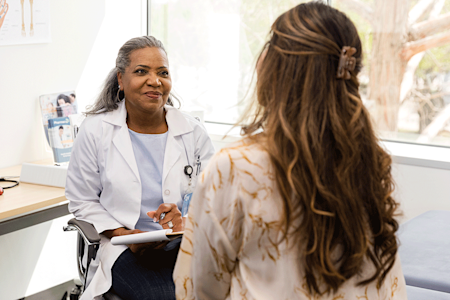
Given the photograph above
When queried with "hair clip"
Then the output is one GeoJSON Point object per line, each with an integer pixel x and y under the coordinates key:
{"type": "Point", "coordinates": [346, 62]}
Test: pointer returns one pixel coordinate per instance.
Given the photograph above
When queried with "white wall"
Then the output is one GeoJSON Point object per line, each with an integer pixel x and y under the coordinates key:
{"type": "Point", "coordinates": [86, 36]}
{"type": "Point", "coordinates": [419, 189]}
{"type": "Point", "coordinates": [36, 258]}
{"type": "Point", "coordinates": [27, 71]}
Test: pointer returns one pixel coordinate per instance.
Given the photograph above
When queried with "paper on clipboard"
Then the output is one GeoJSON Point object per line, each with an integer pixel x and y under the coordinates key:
{"type": "Point", "coordinates": [146, 237]}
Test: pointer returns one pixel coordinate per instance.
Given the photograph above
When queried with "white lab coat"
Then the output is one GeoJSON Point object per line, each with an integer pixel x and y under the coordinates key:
{"type": "Point", "coordinates": [103, 183]}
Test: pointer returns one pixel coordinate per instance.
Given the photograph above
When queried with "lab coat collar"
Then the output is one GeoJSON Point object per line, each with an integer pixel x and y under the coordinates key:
{"type": "Point", "coordinates": [176, 121]}
{"type": "Point", "coordinates": [118, 116]}
{"type": "Point", "coordinates": [122, 139]}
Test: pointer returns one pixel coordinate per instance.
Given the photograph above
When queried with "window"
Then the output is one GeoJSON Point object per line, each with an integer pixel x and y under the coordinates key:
{"type": "Point", "coordinates": [405, 84]}
{"type": "Point", "coordinates": [212, 47]}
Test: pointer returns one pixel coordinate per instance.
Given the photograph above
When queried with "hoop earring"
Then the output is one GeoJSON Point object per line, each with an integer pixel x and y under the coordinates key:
{"type": "Point", "coordinates": [118, 96]}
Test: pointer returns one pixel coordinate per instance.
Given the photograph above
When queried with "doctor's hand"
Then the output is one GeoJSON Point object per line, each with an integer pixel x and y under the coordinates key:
{"type": "Point", "coordinates": [172, 214]}
{"type": "Point", "coordinates": [135, 248]}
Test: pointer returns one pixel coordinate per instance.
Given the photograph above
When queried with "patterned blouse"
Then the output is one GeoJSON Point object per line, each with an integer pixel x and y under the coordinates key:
{"type": "Point", "coordinates": [229, 249]}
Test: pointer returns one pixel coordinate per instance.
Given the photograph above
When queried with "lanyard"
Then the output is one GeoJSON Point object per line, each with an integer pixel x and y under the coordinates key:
{"type": "Point", "coordinates": [185, 150]}
{"type": "Point", "coordinates": [188, 169]}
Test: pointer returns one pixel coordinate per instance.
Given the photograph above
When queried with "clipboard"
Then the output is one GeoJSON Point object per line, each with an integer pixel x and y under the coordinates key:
{"type": "Point", "coordinates": [147, 237]}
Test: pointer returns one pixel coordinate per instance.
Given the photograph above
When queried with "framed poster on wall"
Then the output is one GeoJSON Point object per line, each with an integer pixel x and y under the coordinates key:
{"type": "Point", "coordinates": [24, 22]}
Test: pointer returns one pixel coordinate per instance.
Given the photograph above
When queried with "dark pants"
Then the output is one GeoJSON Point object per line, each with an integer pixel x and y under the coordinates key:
{"type": "Point", "coordinates": [147, 275]}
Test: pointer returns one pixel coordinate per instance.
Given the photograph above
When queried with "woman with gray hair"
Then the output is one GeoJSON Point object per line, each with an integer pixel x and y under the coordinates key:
{"type": "Point", "coordinates": [130, 167]}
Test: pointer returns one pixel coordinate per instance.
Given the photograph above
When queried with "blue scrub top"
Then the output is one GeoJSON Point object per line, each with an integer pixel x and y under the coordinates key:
{"type": "Point", "coordinates": [149, 152]}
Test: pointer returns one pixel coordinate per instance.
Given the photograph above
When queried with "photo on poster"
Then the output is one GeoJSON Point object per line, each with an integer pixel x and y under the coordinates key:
{"type": "Point", "coordinates": [57, 105]}
{"type": "Point", "coordinates": [60, 134]}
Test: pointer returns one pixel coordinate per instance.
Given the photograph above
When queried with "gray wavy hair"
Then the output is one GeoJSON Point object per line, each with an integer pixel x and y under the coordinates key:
{"type": "Point", "coordinates": [110, 96]}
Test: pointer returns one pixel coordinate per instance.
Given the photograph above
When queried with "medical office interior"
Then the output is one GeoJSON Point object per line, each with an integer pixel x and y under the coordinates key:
{"type": "Point", "coordinates": [212, 46]}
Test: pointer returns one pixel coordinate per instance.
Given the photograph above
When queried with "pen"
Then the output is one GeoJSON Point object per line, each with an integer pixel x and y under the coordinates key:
{"type": "Point", "coordinates": [161, 217]}
{"type": "Point", "coordinates": [199, 163]}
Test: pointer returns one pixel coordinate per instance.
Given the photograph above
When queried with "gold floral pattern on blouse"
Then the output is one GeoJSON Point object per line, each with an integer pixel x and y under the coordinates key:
{"type": "Point", "coordinates": [231, 248]}
{"type": "Point", "coordinates": [365, 297]}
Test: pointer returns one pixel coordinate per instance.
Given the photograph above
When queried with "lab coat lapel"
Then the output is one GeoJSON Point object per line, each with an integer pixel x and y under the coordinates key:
{"type": "Point", "coordinates": [178, 125]}
{"type": "Point", "coordinates": [121, 139]}
{"type": "Point", "coordinates": [122, 142]}
{"type": "Point", "coordinates": [172, 154]}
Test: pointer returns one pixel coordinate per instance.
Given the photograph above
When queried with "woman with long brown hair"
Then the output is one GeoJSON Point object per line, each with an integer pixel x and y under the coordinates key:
{"type": "Point", "coordinates": [301, 208]}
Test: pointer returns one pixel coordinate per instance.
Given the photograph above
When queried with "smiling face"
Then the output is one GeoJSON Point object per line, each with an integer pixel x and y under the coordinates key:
{"type": "Point", "coordinates": [146, 82]}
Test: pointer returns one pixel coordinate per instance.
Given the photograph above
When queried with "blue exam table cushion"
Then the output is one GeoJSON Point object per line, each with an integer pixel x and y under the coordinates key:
{"type": "Point", "coordinates": [425, 250]}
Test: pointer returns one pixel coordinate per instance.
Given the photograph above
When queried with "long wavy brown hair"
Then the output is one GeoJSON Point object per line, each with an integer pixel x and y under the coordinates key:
{"type": "Point", "coordinates": [334, 178]}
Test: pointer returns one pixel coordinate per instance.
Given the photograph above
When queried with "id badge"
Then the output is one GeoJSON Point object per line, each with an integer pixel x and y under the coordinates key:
{"type": "Point", "coordinates": [186, 202]}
